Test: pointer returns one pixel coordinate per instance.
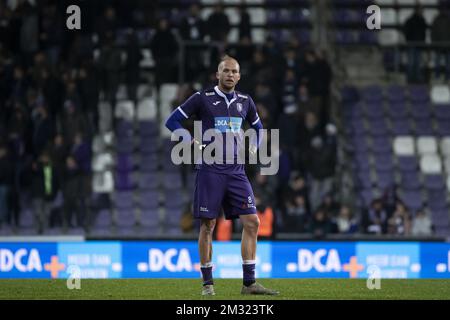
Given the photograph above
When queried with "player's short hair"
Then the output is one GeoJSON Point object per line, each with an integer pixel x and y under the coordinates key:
{"type": "Point", "coordinates": [226, 58]}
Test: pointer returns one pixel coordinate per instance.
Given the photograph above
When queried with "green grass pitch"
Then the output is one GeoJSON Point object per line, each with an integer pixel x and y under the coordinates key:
{"type": "Point", "coordinates": [226, 289]}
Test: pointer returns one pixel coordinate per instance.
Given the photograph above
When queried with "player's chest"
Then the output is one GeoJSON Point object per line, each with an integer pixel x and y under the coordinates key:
{"type": "Point", "coordinates": [225, 116]}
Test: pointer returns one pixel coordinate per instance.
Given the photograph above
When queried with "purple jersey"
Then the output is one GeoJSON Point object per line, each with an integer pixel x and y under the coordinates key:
{"type": "Point", "coordinates": [215, 111]}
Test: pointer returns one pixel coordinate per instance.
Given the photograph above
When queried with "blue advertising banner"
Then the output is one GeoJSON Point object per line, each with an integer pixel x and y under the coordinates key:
{"type": "Point", "coordinates": [177, 259]}
{"type": "Point", "coordinates": [180, 259]}
{"type": "Point", "coordinates": [435, 259]}
{"type": "Point", "coordinates": [29, 260]}
{"type": "Point", "coordinates": [227, 260]}
{"type": "Point", "coordinates": [393, 259]}
{"type": "Point", "coordinates": [95, 260]}
{"type": "Point", "coordinates": [314, 260]}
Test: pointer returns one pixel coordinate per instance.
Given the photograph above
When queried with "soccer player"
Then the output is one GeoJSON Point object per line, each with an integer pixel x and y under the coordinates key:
{"type": "Point", "coordinates": [223, 185]}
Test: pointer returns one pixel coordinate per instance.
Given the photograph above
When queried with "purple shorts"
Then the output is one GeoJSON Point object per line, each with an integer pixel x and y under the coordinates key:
{"type": "Point", "coordinates": [214, 191]}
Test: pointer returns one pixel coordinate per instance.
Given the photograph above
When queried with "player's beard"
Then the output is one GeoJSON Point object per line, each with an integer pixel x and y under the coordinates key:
{"type": "Point", "coordinates": [228, 85]}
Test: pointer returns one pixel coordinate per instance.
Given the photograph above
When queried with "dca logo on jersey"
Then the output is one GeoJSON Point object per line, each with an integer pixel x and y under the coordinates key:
{"type": "Point", "coordinates": [224, 124]}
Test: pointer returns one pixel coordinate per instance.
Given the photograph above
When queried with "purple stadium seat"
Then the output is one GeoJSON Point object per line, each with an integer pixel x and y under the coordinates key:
{"type": "Point", "coordinates": [443, 128]}
{"type": "Point", "coordinates": [125, 145]}
{"type": "Point", "coordinates": [374, 111]}
{"type": "Point", "coordinates": [418, 93]}
{"type": "Point", "coordinates": [148, 180]}
{"type": "Point", "coordinates": [125, 217]}
{"type": "Point", "coordinates": [362, 161]}
{"type": "Point", "coordinates": [123, 200]}
{"type": "Point", "coordinates": [410, 181]}
{"type": "Point", "coordinates": [148, 128]}
{"type": "Point", "coordinates": [149, 218]}
{"type": "Point", "coordinates": [442, 231]}
{"type": "Point", "coordinates": [437, 200]}
{"type": "Point", "coordinates": [174, 199]}
{"type": "Point", "coordinates": [384, 162]}
{"type": "Point", "coordinates": [124, 129]}
{"type": "Point", "coordinates": [434, 182]}
{"type": "Point", "coordinates": [367, 37]}
{"type": "Point", "coordinates": [149, 144]}
{"type": "Point", "coordinates": [385, 179]}
{"type": "Point", "coordinates": [401, 127]}
{"type": "Point", "coordinates": [76, 231]}
{"type": "Point", "coordinates": [126, 231]}
{"type": "Point", "coordinates": [172, 181]}
{"type": "Point", "coordinates": [442, 111]}
{"type": "Point", "coordinates": [124, 163]}
{"type": "Point", "coordinates": [378, 127]}
{"type": "Point", "coordinates": [396, 94]}
{"type": "Point", "coordinates": [148, 199]}
{"type": "Point", "coordinates": [123, 181]}
{"type": "Point", "coordinates": [100, 232]}
{"type": "Point", "coordinates": [55, 231]}
{"type": "Point", "coordinates": [26, 219]}
{"type": "Point", "coordinates": [407, 163]}
{"type": "Point", "coordinates": [173, 216]}
{"type": "Point", "coordinates": [344, 37]}
{"type": "Point", "coordinates": [367, 196]}
{"type": "Point", "coordinates": [412, 199]}
{"type": "Point", "coordinates": [372, 94]}
{"type": "Point", "coordinates": [103, 219]}
{"type": "Point", "coordinates": [421, 111]}
{"type": "Point", "coordinates": [381, 145]}
{"type": "Point", "coordinates": [424, 127]}
{"type": "Point", "coordinates": [6, 230]}
{"type": "Point", "coordinates": [149, 162]}
{"type": "Point", "coordinates": [397, 110]}
{"type": "Point", "coordinates": [349, 94]}
{"type": "Point", "coordinates": [363, 179]}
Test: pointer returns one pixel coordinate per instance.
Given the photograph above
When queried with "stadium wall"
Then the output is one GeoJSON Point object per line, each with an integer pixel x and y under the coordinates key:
{"type": "Point", "coordinates": [179, 259]}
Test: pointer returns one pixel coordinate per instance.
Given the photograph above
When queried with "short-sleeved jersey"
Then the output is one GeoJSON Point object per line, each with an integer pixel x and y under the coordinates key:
{"type": "Point", "coordinates": [215, 111]}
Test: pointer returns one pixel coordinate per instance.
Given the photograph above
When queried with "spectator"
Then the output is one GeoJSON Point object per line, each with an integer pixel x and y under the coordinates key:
{"type": "Point", "coordinates": [415, 32]}
{"type": "Point", "coordinates": [421, 224]}
{"type": "Point", "coordinates": [218, 24]}
{"type": "Point", "coordinates": [377, 218]}
{"type": "Point", "coordinates": [345, 223]}
{"type": "Point", "coordinates": [296, 215]}
{"type": "Point", "coordinates": [44, 190]}
{"type": "Point", "coordinates": [6, 179]}
{"type": "Point", "coordinates": [73, 194]}
{"type": "Point", "coordinates": [132, 66]}
{"type": "Point", "coordinates": [399, 223]}
{"type": "Point", "coordinates": [192, 28]}
{"type": "Point", "coordinates": [440, 36]}
{"type": "Point", "coordinates": [320, 224]}
{"type": "Point", "coordinates": [43, 129]}
{"type": "Point", "coordinates": [245, 26]}
{"type": "Point", "coordinates": [165, 51]}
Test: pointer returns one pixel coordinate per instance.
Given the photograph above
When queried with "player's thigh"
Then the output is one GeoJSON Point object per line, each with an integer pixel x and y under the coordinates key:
{"type": "Point", "coordinates": [239, 196]}
{"type": "Point", "coordinates": [208, 195]}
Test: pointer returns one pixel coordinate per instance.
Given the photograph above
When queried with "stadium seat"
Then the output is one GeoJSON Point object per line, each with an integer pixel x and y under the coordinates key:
{"type": "Point", "coordinates": [125, 110]}
{"type": "Point", "coordinates": [144, 91]}
{"type": "Point", "coordinates": [447, 164]}
{"type": "Point", "coordinates": [418, 93]}
{"type": "Point", "coordinates": [147, 61]}
{"type": "Point", "coordinates": [124, 129]}
{"type": "Point", "coordinates": [103, 182]}
{"type": "Point", "coordinates": [431, 164]}
{"type": "Point", "coordinates": [121, 93]}
{"type": "Point", "coordinates": [124, 163]}
{"type": "Point", "coordinates": [407, 163]}
{"type": "Point", "coordinates": [426, 145]}
{"type": "Point", "coordinates": [404, 146]}
{"type": "Point", "coordinates": [148, 128]}
{"type": "Point", "coordinates": [445, 146]}
{"type": "Point", "coordinates": [410, 181]}
{"type": "Point", "coordinates": [125, 217]}
{"type": "Point", "coordinates": [434, 182]}
{"type": "Point", "coordinates": [149, 180]}
{"type": "Point", "coordinates": [389, 16]}
{"type": "Point", "coordinates": [146, 109]}
{"type": "Point", "coordinates": [403, 15]}
{"type": "Point", "coordinates": [388, 37]}
{"type": "Point", "coordinates": [124, 181]}
{"type": "Point", "coordinates": [123, 199]}
{"type": "Point", "coordinates": [440, 94]}
{"type": "Point", "coordinates": [257, 15]}
{"type": "Point", "coordinates": [413, 199]}
{"type": "Point", "coordinates": [442, 111]}
{"type": "Point", "coordinates": [397, 110]}
{"type": "Point", "coordinates": [103, 219]}
{"type": "Point", "coordinates": [149, 218]}
{"type": "Point", "coordinates": [102, 162]}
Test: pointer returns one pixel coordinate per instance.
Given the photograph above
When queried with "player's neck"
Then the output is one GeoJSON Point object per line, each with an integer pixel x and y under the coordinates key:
{"type": "Point", "coordinates": [227, 91]}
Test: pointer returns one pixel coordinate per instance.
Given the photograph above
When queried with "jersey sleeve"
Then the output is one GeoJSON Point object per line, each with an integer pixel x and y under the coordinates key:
{"type": "Point", "coordinates": [252, 114]}
{"type": "Point", "coordinates": [191, 106]}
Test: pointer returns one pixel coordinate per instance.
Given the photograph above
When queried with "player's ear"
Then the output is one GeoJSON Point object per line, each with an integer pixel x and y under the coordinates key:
{"type": "Point", "coordinates": [217, 75]}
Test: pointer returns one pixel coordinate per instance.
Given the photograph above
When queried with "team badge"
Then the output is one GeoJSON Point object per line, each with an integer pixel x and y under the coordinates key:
{"type": "Point", "coordinates": [239, 107]}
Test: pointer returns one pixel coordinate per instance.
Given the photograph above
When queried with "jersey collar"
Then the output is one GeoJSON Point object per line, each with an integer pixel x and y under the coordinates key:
{"type": "Point", "coordinates": [220, 93]}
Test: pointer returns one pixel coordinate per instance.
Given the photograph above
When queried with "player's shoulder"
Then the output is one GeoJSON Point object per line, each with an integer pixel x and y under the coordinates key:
{"type": "Point", "coordinates": [242, 95]}
{"type": "Point", "coordinates": [208, 92]}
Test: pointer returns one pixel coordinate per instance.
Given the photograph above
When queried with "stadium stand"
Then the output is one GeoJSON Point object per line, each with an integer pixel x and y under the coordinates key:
{"type": "Point", "coordinates": [354, 128]}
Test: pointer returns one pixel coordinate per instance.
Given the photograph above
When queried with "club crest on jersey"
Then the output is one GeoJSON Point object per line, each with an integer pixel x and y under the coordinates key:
{"type": "Point", "coordinates": [239, 107]}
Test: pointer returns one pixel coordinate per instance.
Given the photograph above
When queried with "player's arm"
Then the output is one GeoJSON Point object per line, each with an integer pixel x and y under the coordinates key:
{"type": "Point", "coordinates": [255, 123]}
{"type": "Point", "coordinates": [190, 107]}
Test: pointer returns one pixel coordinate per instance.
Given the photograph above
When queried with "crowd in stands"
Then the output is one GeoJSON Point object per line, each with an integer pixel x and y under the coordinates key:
{"type": "Point", "coordinates": [51, 85]}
